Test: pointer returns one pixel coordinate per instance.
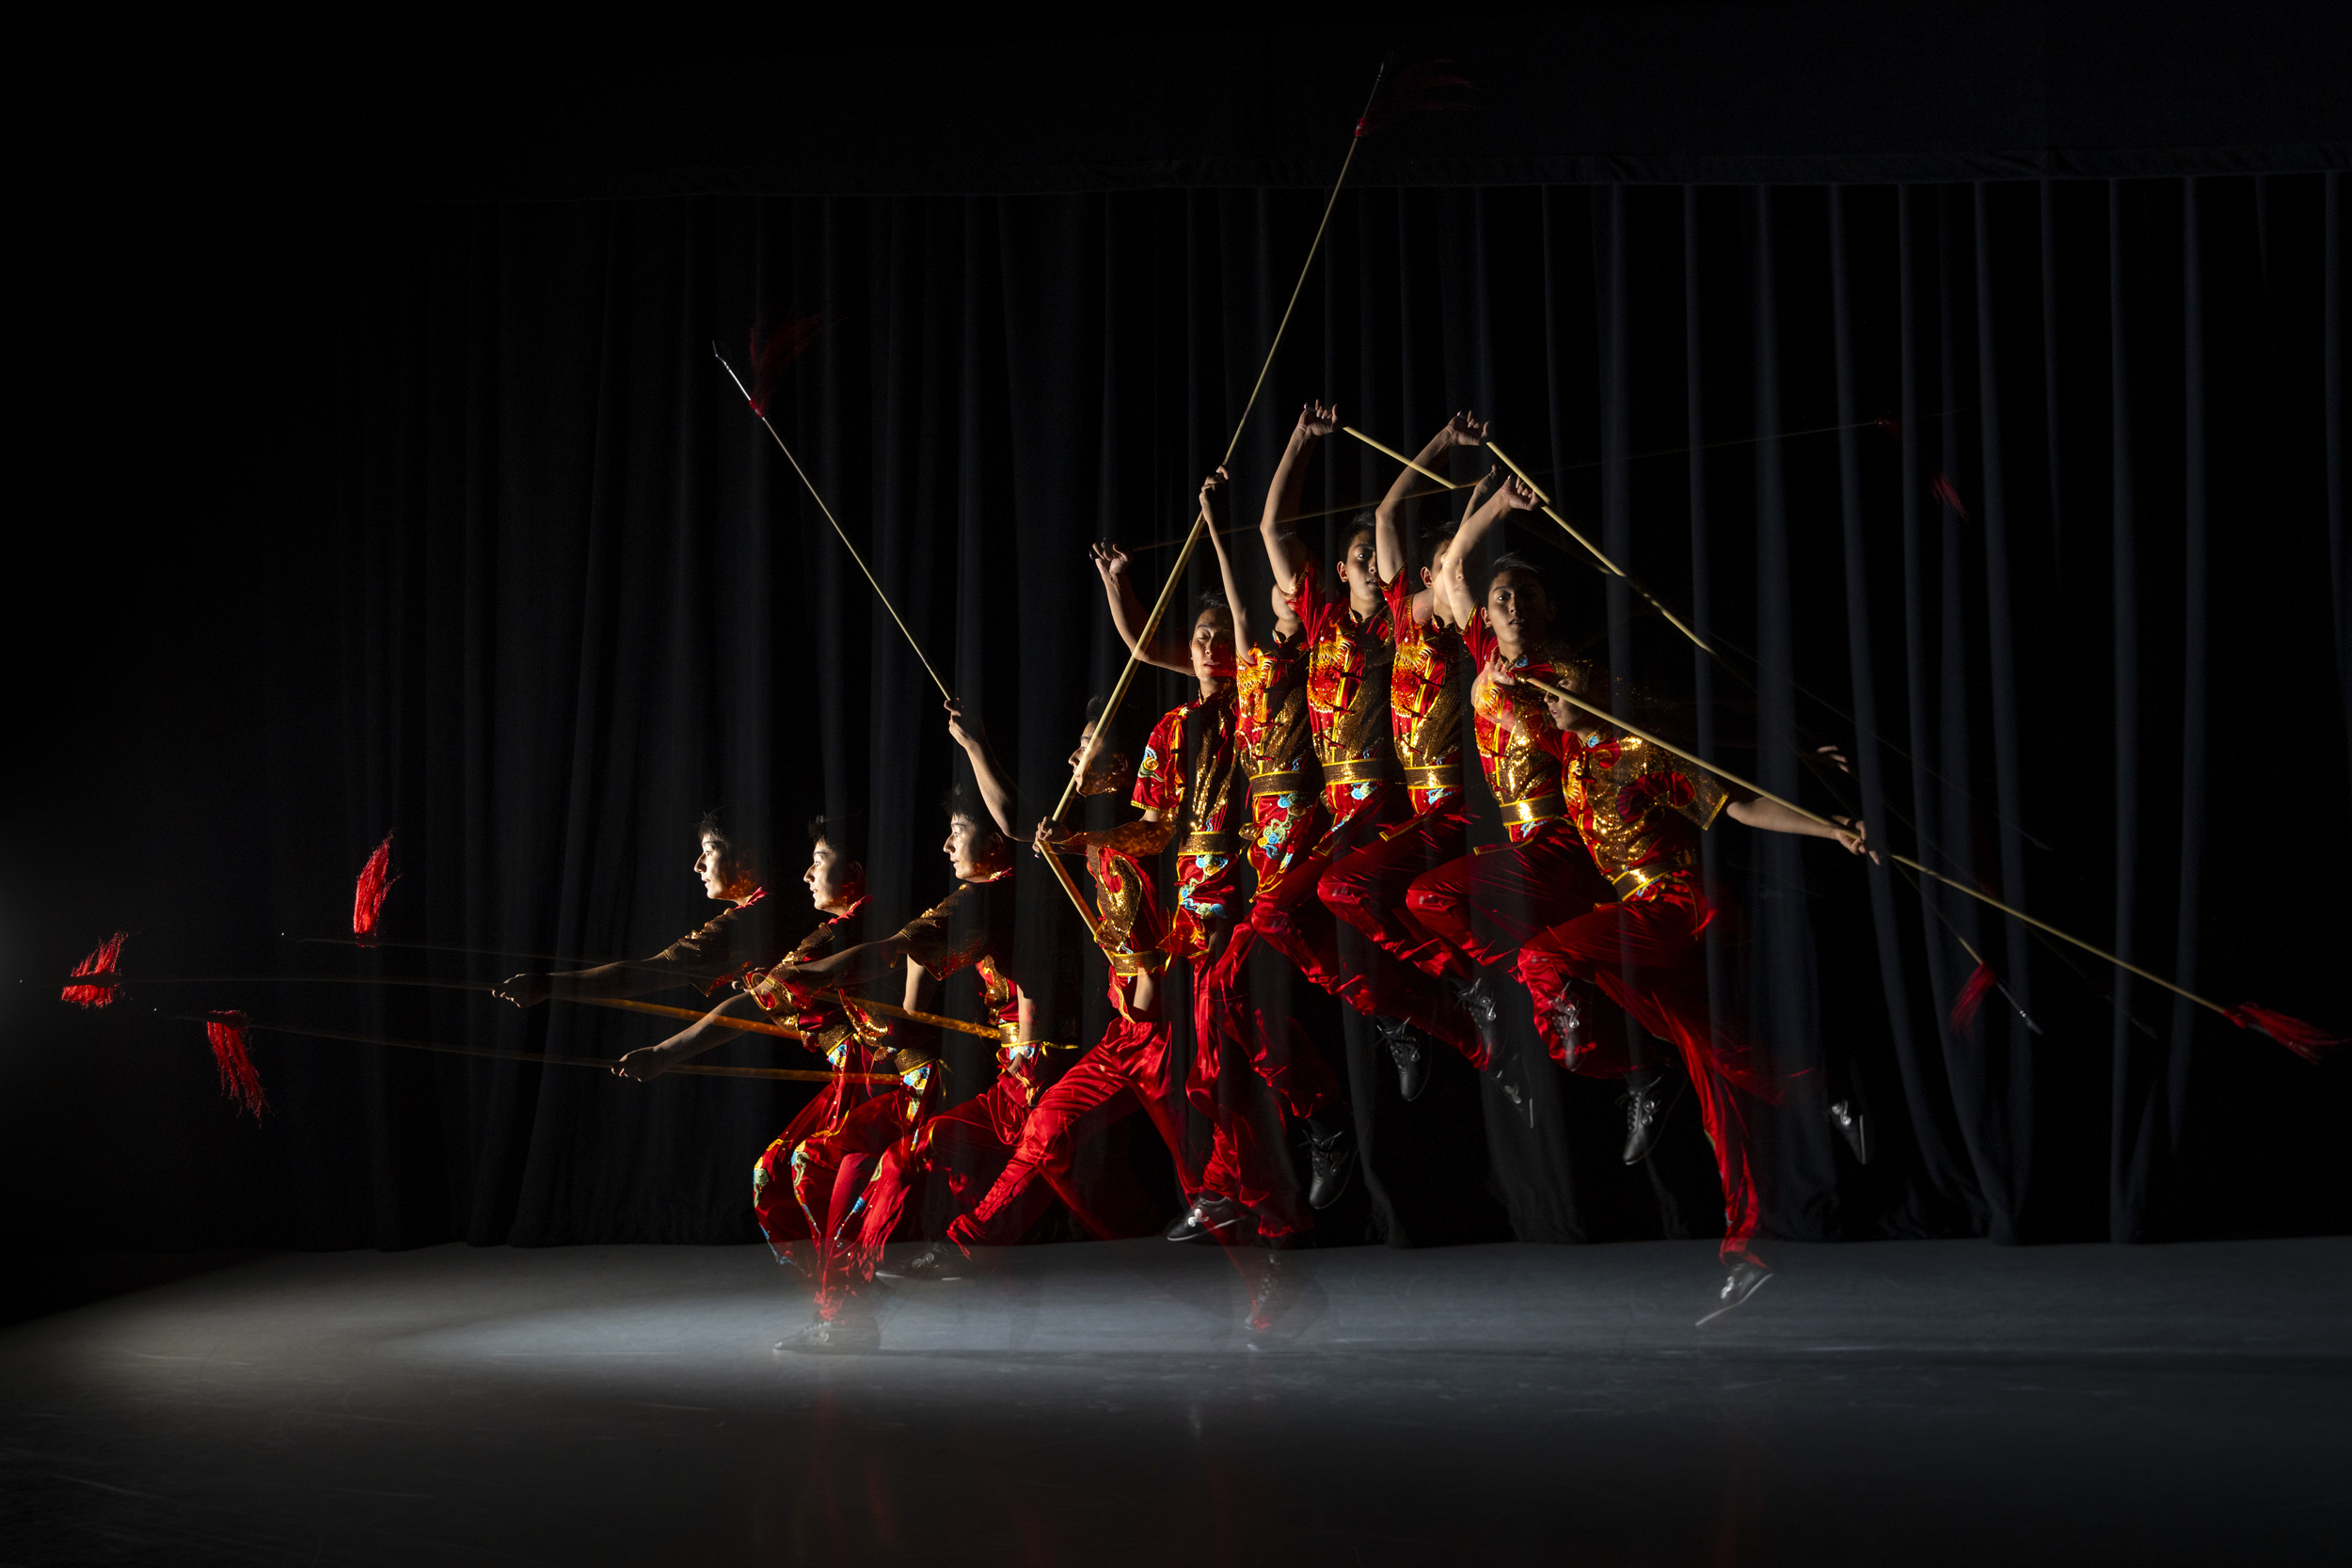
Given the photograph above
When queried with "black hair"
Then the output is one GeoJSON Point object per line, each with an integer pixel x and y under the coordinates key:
{"type": "Point", "coordinates": [840, 832]}
{"type": "Point", "coordinates": [1520, 568]}
{"type": "Point", "coordinates": [1366, 521]}
{"type": "Point", "coordinates": [743, 848]}
{"type": "Point", "coordinates": [1128, 732]}
{"type": "Point", "coordinates": [1436, 540]}
{"type": "Point", "coordinates": [959, 801]}
{"type": "Point", "coordinates": [1211, 598]}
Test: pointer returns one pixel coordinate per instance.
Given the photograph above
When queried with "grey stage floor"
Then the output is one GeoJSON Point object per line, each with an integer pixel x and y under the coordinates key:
{"type": "Point", "coordinates": [1891, 1403]}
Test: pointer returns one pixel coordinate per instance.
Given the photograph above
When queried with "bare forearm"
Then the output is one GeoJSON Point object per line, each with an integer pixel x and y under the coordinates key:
{"type": "Point", "coordinates": [1225, 577]}
{"type": "Point", "coordinates": [709, 1029]}
{"type": "Point", "coordinates": [995, 791]}
{"type": "Point", "coordinates": [1128, 615]}
{"type": "Point", "coordinates": [1388, 520]}
{"type": "Point", "coordinates": [851, 966]}
{"type": "Point", "coordinates": [1282, 505]}
{"type": "Point", "coordinates": [622, 979]}
{"type": "Point", "coordinates": [1771, 816]}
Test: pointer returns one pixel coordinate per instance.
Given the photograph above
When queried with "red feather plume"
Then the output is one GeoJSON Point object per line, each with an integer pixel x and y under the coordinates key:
{"type": "Point", "coordinates": [1971, 998]}
{"type": "Point", "coordinates": [1417, 88]}
{"type": "Point", "coordinates": [773, 354]}
{"type": "Point", "coordinates": [238, 1080]}
{"type": "Point", "coordinates": [1950, 496]}
{"type": "Point", "coordinates": [375, 882]}
{"type": "Point", "coordinates": [2307, 1040]}
{"type": "Point", "coordinates": [102, 961]}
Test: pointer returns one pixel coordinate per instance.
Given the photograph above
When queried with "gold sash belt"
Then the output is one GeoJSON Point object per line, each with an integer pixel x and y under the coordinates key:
{"type": "Point", "coordinates": [1444, 775]}
{"type": "Point", "coordinates": [1276, 783]}
{"type": "Point", "coordinates": [1370, 770]}
{"type": "Point", "coordinates": [1150, 962]}
{"type": "Point", "coordinates": [1633, 884]}
{"type": "Point", "coordinates": [1220, 843]}
{"type": "Point", "coordinates": [1535, 808]}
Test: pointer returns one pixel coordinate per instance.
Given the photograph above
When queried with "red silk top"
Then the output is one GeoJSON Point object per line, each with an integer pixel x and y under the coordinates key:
{"type": "Point", "coordinates": [1347, 695]}
{"type": "Point", "coordinates": [1192, 775]}
{"type": "Point", "coordinates": [1639, 812]}
{"type": "Point", "coordinates": [1425, 697]}
{"type": "Point", "coordinates": [1270, 731]}
{"type": "Point", "coordinates": [844, 1032]}
{"type": "Point", "coordinates": [973, 925]}
{"type": "Point", "coordinates": [1518, 745]}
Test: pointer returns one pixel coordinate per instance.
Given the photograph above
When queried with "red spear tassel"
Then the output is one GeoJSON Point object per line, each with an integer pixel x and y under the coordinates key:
{"type": "Point", "coordinates": [1414, 89]}
{"type": "Point", "coordinates": [238, 1080]}
{"type": "Point", "coordinates": [367, 904]}
{"type": "Point", "coordinates": [1980, 984]}
{"type": "Point", "coordinates": [104, 962]}
{"type": "Point", "coordinates": [2307, 1040]}
{"type": "Point", "coordinates": [773, 354]}
{"type": "Point", "coordinates": [1950, 496]}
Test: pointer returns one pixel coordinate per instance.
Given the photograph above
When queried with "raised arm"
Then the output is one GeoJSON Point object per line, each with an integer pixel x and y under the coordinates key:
{"type": "Point", "coordinates": [1283, 548]}
{"type": "Point", "coordinates": [994, 789]}
{"type": "Point", "coordinates": [1450, 580]}
{"type": "Point", "coordinates": [1465, 429]}
{"type": "Point", "coordinates": [1128, 614]}
{"type": "Point", "coordinates": [1773, 817]}
{"type": "Point", "coordinates": [1213, 518]}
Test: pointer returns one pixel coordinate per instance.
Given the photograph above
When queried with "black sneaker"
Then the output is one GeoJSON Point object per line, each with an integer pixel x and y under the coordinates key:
{"type": "Point", "coordinates": [1506, 1074]}
{"type": "Point", "coordinates": [1747, 1276]}
{"type": "Point", "coordinates": [1271, 1287]}
{"type": "Point", "coordinates": [1646, 1111]}
{"type": "Point", "coordinates": [1567, 1022]}
{"type": "Point", "coordinates": [1333, 1161]}
{"type": "Point", "coordinates": [1210, 1214]}
{"type": "Point", "coordinates": [1404, 1047]}
{"type": "Point", "coordinates": [939, 1261]}
{"type": "Point", "coordinates": [1478, 1001]}
{"type": "Point", "coordinates": [1847, 1117]}
{"type": "Point", "coordinates": [852, 1331]}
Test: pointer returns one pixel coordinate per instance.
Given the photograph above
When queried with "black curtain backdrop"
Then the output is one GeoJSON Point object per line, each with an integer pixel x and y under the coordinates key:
{"type": "Point", "coordinates": [495, 560]}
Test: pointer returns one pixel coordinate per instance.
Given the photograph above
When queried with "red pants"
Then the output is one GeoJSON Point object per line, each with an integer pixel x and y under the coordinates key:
{"type": "Point", "coordinates": [1120, 1076]}
{"type": "Point", "coordinates": [1231, 1012]}
{"type": "Point", "coordinates": [1644, 957]}
{"type": "Point", "coordinates": [1295, 922]}
{"type": "Point", "coordinates": [1368, 888]}
{"type": "Point", "coordinates": [1485, 904]}
{"type": "Point", "coordinates": [1249, 1160]}
{"type": "Point", "coordinates": [966, 1148]}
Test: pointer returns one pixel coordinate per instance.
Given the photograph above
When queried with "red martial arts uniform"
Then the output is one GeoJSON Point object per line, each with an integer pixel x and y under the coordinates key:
{"type": "Point", "coordinates": [1426, 693]}
{"type": "Point", "coordinates": [1639, 816]}
{"type": "Point", "coordinates": [1196, 770]}
{"type": "Point", "coordinates": [1483, 906]}
{"type": "Point", "coordinates": [1125, 1072]}
{"type": "Point", "coordinates": [805, 1186]}
{"type": "Point", "coordinates": [1286, 820]}
{"type": "Point", "coordinates": [966, 1147]}
{"type": "Point", "coordinates": [1347, 699]}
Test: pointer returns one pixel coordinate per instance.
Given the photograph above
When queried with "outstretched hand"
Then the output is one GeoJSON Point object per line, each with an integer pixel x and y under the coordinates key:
{"type": "Point", "coordinates": [1855, 835]}
{"type": "Point", "coordinates": [524, 990]}
{"type": "Point", "coordinates": [1833, 755]}
{"type": "Point", "coordinates": [1466, 429]}
{"type": "Point", "coordinates": [1319, 419]}
{"type": "Point", "coordinates": [1111, 560]}
{"type": "Point", "coordinates": [644, 1064]}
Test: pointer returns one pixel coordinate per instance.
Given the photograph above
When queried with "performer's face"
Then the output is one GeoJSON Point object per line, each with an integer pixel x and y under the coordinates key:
{"type": "Point", "coordinates": [1100, 772]}
{"type": "Point", "coordinates": [1360, 567]}
{"type": "Point", "coordinates": [1518, 610]}
{"type": "Point", "coordinates": [1213, 646]}
{"type": "Point", "coordinates": [833, 884]}
{"type": "Point", "coordinates": [972, 849]}
{"type": "Point", "coordinates": [721, 877]}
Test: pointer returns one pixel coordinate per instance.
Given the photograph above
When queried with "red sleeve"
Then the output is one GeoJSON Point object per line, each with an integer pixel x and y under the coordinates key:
{"type": "Point", "coordinates": [1160, 777]}
{"type": "Point", "coordinates": [1479, 639]}
{"type": "Point", "coordinates": [1312, 607]}
{"type": "Point", "coordinates": [1400, 600]}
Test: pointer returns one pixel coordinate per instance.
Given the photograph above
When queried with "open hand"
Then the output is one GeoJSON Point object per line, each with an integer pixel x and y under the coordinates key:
{"type": "Point", "coordinates": [1110, 558]}
{"type": "Point", "coordinates": [1833, 755]}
